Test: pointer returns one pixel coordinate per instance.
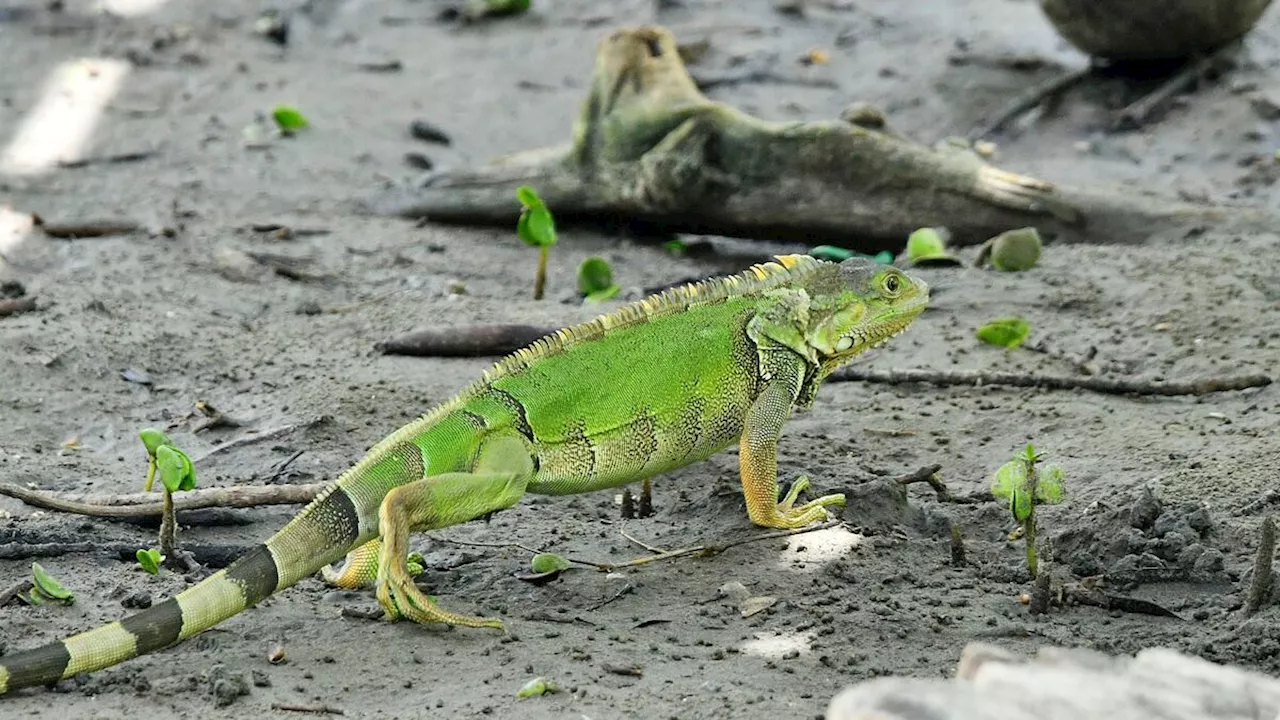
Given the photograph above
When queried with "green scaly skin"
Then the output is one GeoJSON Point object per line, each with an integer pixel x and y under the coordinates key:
{"type": "Point", "coordinates": [654, 386]}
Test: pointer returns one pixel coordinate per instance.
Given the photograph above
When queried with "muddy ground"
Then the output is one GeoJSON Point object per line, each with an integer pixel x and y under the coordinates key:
{"type": "Point", "coordinates": [255, 347]}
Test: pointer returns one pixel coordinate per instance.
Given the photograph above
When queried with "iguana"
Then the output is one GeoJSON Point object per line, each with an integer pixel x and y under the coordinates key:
{"type": "Point", "coordinates": [653, 386]}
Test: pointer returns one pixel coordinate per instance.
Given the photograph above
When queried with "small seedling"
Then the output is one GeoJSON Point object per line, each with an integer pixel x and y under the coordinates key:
{"type": "Point", "coordinates": [1023, 484]}
{"type": "Point", "coordinates": [928, 246]}
{"type": "Point", "coordinates": [536, 687]}
{"type": "Point", "coordinates": [537, 228]}
{"type": "Point", "coordinates": [1007, 332]}
{"type": "Point", "coordinates": [288, 120]}
{"type": "Point", "coordinates": [176, 473]}
{"type": "Point", "coordinates": [545, 568]}
{"type": "Point", "coordinates": [832, 253]}
{"type": "Point", "coordinates": [1012, 250]}
{"type": "Point", "coordinates": [595, 280]}
{"type": "Point", "coordinates": [150, 559]}
{"type": "Point", "coordinates": [44, 587]}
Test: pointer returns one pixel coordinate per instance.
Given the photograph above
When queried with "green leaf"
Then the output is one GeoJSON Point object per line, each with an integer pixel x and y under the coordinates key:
{"type": "Point", "coordinates": [595, 276]}
{"type": "Point", "coordinates": [34, 597]}
{"type": "Point", "coordinates": [288, 119]}
{"type": "Point", "coordinates": [49, 587]}
{"type": "Point", "coordinates": [884, 257]}
{"type": "Point", "coordinates": [170, 467]}
{"type": "Point", "coordinates": [675, 246]}
{"type": "Point", "coordinates": [536, 227]}
{"type": "Point", "coordinates": [528, 197]}
{"type": "Point", "coordinates": [508, 6]}
{"type": "Point", "coordinates": [150, 559]}
{"type": "Point", "coordinates": [188, 472]}
{"type": "Point", "coordinates": [1005, 332]}
{"type": "Point", "coordinates": [153, 439]}
{"type": "Point", "coordinates": [548, 562]}
{"type": "Point", "coordinates": [831, 253]}
{"type": "Point", "coordinates": [1016, 250]}
{"type": "Point", "coordinates": [1049, 486]}
{"type": "Point", "coordinates": [605, 294]}
{"type": "Point", "coordinates": [1008, 479]}
{"type": "Point", "coordinates": [537, 686]}
{"type": "Point", "coordinates": [925, 243]}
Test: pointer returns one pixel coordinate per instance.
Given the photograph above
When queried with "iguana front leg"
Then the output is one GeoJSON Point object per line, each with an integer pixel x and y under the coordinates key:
{"type": "Point", "coordinates": [758, 450]}
{"type": "Point", "coordinates": [502, 472]}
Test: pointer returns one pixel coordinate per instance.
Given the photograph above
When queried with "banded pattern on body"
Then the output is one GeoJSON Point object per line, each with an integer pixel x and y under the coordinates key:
{"type": "Point", "coordinates": [659, 416]}
{"type": "Point", "coordinates": [336, 521]}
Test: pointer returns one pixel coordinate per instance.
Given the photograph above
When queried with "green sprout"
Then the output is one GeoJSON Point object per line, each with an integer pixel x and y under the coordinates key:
{"type": "Point", "coordinates": [289, 120]}
{"type": "Point", "coordinates": [928, 246]}
{"type": "Point", "coordinates": [833, 253]}
{"type": "Point", "coordinates": [537, 228]}
{"type": "Point", "coordinates": [1013, 250]}
{"type": "Point", "coordinates": [150, 559]}
{"type": "Point", "coordinates": [548, 562]}
{"type": "Point", "coordinates": [176, 472]}
{"type": "Point", "coordinates": [595, 280]}
{"type": "Point", "coordinates": [44, 587]}
{"type": "Point", "coordinates": [1024, 485]}
{"type": "Point", "coordinates": [537, 686]}
{"type": "Point", "coordinates": [676, 246]}
{"type": "Point", "coordinates": [1007, 332]}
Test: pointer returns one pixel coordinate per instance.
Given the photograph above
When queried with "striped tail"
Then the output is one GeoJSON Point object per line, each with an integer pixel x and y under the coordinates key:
{"type": "Point", "coordinates": [334, 523]}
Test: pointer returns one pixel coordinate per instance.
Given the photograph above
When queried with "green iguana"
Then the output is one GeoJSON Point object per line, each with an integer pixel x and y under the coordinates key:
{"type": "Point", "coordinates": [655, 385]}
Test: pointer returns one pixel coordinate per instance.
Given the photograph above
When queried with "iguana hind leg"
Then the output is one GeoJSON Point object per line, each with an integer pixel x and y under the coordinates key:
{"type": "Point", "coordinates": [359, 571]}
{"type": "Point", "coordinates": [502, 472]}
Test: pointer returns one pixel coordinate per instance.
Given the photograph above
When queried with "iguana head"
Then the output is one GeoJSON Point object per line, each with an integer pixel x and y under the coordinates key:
{"type": "Point", "coordinates": [860, 305]}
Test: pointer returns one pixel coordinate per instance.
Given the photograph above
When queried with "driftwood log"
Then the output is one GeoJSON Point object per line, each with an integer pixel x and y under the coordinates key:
{"type": "Point", "coordinates": [650, 148]}
{"type": "Point", "coordinates": [1061, 684]}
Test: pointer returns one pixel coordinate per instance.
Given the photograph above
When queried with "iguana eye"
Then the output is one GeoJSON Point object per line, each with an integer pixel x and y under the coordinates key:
{"type": "Point", "coordinates": [892, 285]}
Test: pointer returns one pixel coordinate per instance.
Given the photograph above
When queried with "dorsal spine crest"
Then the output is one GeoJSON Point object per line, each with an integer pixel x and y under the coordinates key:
{"type": "Point", "coordinates": [757, 278]}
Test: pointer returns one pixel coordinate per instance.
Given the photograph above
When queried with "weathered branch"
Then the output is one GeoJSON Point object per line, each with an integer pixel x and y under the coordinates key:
{"type": "Point", "coordinates": [649, 147]}
{"type": "Point", "coordinates": [137, 505]}
{"type": "Point", "coordinates": [1111, 386]}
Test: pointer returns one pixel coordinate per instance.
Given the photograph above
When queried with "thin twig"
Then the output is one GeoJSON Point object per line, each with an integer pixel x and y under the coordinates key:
{"type": "Point", "coordinates": [318, 709]}
{"type": "Point", "coordinates": [136, 505]}
{"type": "Point", "coordinates": [1029, 99]}
{"type": "Point", "coordinates": [17, 305]}
{"type": "Point", "coordinates": [1112, 386]}
{"type": "Point", "coordinates": [208, 554]}
{"type": "Point", "coordinates": [8, 594]}
{"type": "Point", "coordinates": [625, 590]}
{"type": "Point", "coordinates": [85, 228]}
{"type": "Point", "coordinates": [701, 550]}
{"type": "Point", "coordinates": [927, 474]}
{"type": "Point", "coordinates": [707, 550]}
{"type": "Point", "coordinates": [249, 440]}
{"type": "Point", "coordinates": [284, 465]}
{"type": "Point", "coordinates": [623, 532]}
{"type": "Point", "coordinates": [125, 157]}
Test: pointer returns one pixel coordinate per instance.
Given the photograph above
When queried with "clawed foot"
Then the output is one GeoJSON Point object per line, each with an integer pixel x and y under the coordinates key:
{"type": "Point", "coordinates": [789, 517]}
{"type": "Point", "coordinates": [400, 598]}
